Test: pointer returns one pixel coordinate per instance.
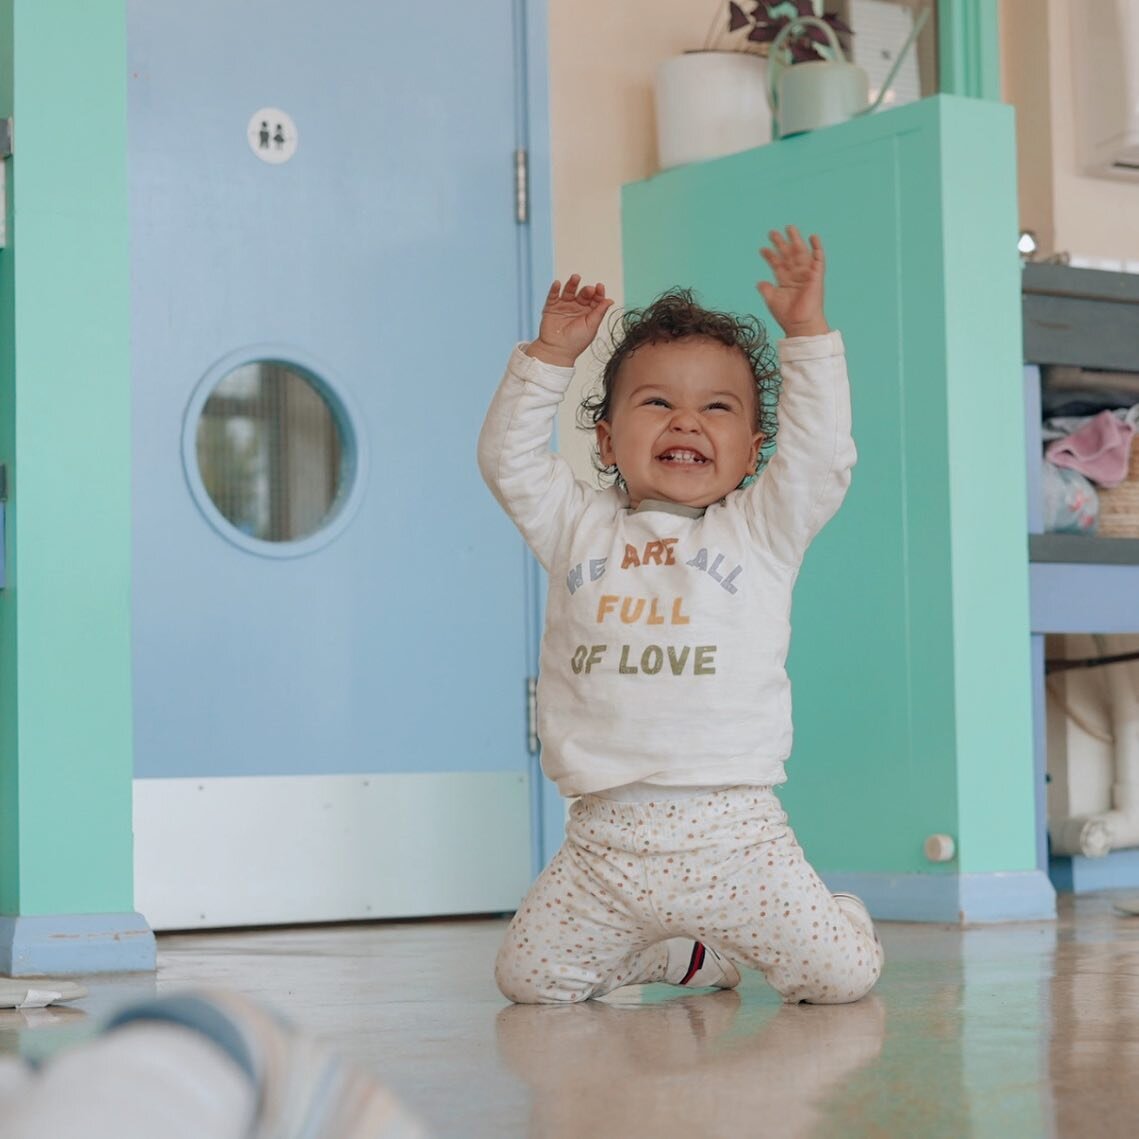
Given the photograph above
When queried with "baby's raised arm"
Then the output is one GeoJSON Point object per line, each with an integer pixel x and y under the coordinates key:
{"type": "Point", "coordinates": [807, 478]}
{"type": "Point", "coordinates": [571, 317]}
{"type": "Point", "coordinates": [535, 486]}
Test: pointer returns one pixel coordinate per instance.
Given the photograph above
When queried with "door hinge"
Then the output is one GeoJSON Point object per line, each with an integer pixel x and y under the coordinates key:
{"type": "Point", "coordinates": [3, 526]}
{"type": "Point", "coordinates": [521, 185]}
{"type": "Point", "coordinates": [532, 714]}
{"type": "Point", "coordinates": [5, 152]}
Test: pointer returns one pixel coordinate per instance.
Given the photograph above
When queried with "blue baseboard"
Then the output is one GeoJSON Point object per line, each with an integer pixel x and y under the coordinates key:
{"type": "Point", "coordinates": [66, 944]}
{"type": "Point", "coordinates": [1076, 874]}
{"type": "Point", "coordinates": [957, 899]}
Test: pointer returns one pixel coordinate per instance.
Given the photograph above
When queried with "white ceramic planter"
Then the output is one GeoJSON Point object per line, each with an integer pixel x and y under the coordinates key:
{"type": "Point", "coordinates": [710, 103]}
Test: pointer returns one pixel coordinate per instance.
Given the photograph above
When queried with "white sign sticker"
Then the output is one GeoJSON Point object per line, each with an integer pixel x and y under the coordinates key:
{"type": "Point", "coordinates": [272, 135]}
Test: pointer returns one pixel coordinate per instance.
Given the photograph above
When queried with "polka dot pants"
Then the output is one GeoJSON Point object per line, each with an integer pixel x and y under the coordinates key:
{"type": "Point", "coordinates": [723, 868]}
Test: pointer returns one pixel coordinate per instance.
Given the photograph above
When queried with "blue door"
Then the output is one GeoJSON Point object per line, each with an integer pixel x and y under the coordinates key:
{"type": "Point", "coordinates": [331, 618]}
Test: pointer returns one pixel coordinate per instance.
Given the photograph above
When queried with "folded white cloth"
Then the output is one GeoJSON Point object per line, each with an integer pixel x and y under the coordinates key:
{"type": "Point", "coordinates": [38, 992]}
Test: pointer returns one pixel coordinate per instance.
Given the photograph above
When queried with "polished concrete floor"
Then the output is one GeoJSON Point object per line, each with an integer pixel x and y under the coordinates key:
{"type": "Point", "coordinates": [1025, 1030]}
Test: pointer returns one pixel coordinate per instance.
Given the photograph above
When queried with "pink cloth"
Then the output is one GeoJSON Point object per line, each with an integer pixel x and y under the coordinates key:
{"type": "Point", "coordinates": [1101, 449]}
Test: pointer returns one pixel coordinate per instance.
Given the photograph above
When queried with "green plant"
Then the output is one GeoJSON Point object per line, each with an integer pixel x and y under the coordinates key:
{"type": "Point", "coordinates": [754, 24]}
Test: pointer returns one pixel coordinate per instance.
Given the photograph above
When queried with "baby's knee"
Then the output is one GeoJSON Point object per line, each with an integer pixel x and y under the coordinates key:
{"type": "Point", "coordinates": [522, 977]}
{"type": "Point", "coordinates": [839, 982]}
{"type": "Point", "coordinates": [851, 986]}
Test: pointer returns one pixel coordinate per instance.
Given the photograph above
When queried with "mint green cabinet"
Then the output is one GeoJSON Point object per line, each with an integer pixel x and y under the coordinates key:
{"type": "Point", "coordinates": [910, 651]}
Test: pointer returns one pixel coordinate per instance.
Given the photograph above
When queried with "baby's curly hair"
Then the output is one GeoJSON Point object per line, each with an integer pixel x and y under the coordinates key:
{"type": "Point", "coordinates": [675, 315]}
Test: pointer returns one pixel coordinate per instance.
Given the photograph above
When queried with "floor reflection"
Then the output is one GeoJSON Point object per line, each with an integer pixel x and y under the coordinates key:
{"type": "Point", "coordinates": [706, 1064]}
{"type": "Point", "coordinates": [1093, 1054]}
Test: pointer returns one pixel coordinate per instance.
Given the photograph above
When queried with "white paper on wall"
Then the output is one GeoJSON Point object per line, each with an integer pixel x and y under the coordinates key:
{"type": "Point", "coordinates": [880, 32]}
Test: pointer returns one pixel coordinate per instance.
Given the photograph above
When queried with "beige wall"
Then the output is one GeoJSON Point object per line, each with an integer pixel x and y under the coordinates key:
{"type": "Point", "coordinates": [603, 56]}
{"type": "Point", "coordinates": [1088, 218]}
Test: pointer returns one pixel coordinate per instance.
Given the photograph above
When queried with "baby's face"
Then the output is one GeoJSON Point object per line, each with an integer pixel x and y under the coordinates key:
{"type": "Point", "coordinates": [681, 424]}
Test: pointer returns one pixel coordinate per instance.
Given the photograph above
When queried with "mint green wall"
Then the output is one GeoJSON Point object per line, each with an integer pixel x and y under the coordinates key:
{"type": "Point", "coordinates": [910, 646]}
{"type": "Point", "coordinates": [65, 701]}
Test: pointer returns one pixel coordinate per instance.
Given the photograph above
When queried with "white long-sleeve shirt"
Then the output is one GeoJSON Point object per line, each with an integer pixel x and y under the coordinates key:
{"type": "Point", "coordinates": [667, 627]}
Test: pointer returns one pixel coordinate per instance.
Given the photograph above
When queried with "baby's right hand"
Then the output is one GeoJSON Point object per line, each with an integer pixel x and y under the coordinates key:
{"type": "Point", "coordinates": [570, 320]}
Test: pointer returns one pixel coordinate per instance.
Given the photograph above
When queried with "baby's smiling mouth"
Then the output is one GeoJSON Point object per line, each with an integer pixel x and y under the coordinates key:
{"type": "Point", "coordinates": [682, 456]}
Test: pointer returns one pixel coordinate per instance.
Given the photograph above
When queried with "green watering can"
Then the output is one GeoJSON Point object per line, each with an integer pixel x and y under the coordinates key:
{"type": "Point", "coordinates": [807, 96]}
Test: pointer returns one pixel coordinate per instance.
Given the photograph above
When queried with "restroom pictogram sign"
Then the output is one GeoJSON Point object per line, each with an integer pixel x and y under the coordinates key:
{"type": "Point", "coordinates": [272, 135]}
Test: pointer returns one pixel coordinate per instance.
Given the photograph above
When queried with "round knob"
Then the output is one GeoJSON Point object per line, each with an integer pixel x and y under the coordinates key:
{"type": "Point", "coordinates": [1095, 838]}
{"type": "Point", "coordinates": [940, 848]}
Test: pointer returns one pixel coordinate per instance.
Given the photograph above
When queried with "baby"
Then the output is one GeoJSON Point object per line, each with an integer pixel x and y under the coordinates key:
{"type": "Point", "coordinates": [664, 704]}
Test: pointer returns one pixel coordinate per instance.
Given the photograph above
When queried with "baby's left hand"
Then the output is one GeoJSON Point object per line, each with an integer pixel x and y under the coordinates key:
{"type": "Point", "coordinates": [796, 298]}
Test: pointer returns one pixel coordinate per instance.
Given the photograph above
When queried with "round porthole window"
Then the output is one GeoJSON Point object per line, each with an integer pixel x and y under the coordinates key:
{"type": "Point", "coordinates": [272, 455]}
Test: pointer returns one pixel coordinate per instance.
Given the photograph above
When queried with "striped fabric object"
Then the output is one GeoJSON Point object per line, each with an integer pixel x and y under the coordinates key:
{"type": "Point", "coordinates": [304, 1089]}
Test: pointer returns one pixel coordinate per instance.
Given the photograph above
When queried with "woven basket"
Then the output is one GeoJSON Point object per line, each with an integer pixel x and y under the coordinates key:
{"type": "Point", "coordinates": [1119, 507]}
